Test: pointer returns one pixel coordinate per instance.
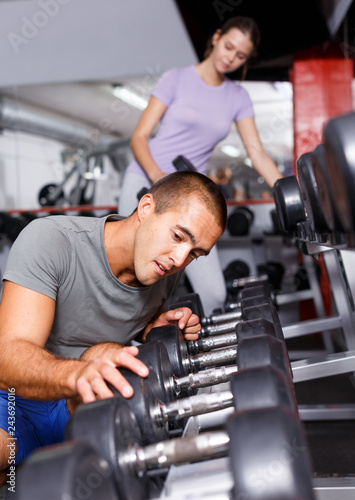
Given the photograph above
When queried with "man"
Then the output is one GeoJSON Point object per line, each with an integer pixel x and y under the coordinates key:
{"type": "Point", "coordinates": [76, 290]}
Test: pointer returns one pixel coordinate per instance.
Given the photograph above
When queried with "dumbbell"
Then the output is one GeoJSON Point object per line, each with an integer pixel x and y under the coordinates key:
{"type": "Point", "coordinates": [161, 385]}
{"type": "Point", "coordinates": [239, 221]}
{"type": "Point", "coordinates": [267, 452]}
{"type": "Point", "coordinates": [68, 471]}
{"type": "Point", "coordinates": [193, 302]}
{"type": "Point", "coordinates": [253, 473]}
{"type": "Point", "coordinates": [259, 303]}
{"type": "Point", "coordinates": [155, 354]}
{"type": "Point", "coordinates": [180, 163]}
{"type": "Point", "coordinates": [255, 440]}
{"type": "Point", "coordinates": [326, 197]}
{"type": "Point", "coordinates": [186, 356]}
{"type": "Point", "coordinates": [340, 161]}
{"type": "Point", "coordinates": [11, 226]}
{"type": "Point", "coordinates": [236, 285]}
{"type": "Point", "coordinates": [289, 203]}
{"type": "Point", "coordinates": [261, 387]}
{"type": "Point", "coordinates": [279, 469]}
{"type": "Point", "coordinates": [256, 351]}
{"type": "Point", "coordinates": [252, 290]}
{"type": "Point", "coordinates": [265, 350]}
{"type": "Point", "coordinates": [182, 361]}
{"type": "Point", "coordinates": [310, 194]}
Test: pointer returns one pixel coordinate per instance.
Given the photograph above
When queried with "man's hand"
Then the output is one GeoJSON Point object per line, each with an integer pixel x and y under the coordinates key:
{"type": "Point", "coordinates": [188, 322]}
{"type": "Point", "coordinates": [91, 381]}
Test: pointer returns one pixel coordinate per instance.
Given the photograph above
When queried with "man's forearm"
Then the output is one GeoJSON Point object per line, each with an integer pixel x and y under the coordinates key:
{"type": "Point", "coordinates": [37, 374]}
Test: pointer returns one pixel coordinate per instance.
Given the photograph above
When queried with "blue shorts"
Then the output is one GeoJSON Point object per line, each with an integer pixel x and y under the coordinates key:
{"type": "Point", "coordinates": [34, 423]}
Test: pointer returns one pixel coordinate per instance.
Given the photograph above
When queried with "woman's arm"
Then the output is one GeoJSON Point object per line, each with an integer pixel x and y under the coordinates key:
{"type": "Point", "coordinates": [262, 162]}
{"type": "Point", "coordinates": [139, 141]}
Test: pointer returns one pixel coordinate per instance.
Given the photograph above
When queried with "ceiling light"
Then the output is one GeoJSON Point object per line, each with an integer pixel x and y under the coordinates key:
{"type": "Point", "coordinates": [248, 162]}
{"type": "Point", "coordinates": [130, 97]}
{"type": "Point", "coordinates": [230, 150]}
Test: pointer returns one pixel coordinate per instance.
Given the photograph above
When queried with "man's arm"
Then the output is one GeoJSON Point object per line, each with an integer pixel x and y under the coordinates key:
{"type": "Point", "coordinates": [26, 319]}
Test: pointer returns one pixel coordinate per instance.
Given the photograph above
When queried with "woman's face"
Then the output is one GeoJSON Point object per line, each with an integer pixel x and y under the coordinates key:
{"type": "Point", "coordinates": [231, 50]}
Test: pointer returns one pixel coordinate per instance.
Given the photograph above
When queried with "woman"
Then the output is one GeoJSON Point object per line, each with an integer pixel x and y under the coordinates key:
{"type": "Point", "coordinates": [195, 108]}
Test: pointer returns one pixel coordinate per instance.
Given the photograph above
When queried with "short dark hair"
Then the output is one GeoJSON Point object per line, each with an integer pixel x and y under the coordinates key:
{"type": "Point", "coordinates": [171, 189]}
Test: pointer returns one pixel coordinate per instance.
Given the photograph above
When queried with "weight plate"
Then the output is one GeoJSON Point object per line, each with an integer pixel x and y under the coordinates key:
{"type": "Point", "coordinates": [310, 196]}
{"type": "Point", "coordinates": [173, 339]}
{"type": "Point", "coordinates": [324, 191]}
{"type": "Point", "coordinates": [263, 350]}
{"type": "Point", "coordinates": [255, 328]}
{"type": "Point", "coordinates": [267, 311]}
{"type": "Point", "coordinates": [45, 196]}
{"type": "Point", "coordinates": [263, 387]}
{"type": "Point", "coordinates": [340, 158]}
{"type": "Point", "coordinates": [66, 470]}
{"type": "Point", "coordinates": [239, 221]}
{"type": "Point", "coordinates": [111, 428]}
{"type": "Point", "coordinates": [269, 455]}
{"type": "Point", "coordinates": [255, 291]}
{"type": "Point", "coordinates": [156, 354]}
{"type": "Point", "coordinates": [289, 203]}
{"type": "Point", "coordinates": [146, 397]}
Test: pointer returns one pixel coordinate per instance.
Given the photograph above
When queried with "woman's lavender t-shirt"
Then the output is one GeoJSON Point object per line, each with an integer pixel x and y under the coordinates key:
{"type": "Point", "coordinates": [198, 116]}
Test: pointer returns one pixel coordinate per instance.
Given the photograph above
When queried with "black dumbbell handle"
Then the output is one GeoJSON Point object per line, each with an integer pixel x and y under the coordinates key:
{"type": "Point", "coordinates": [182, 164]}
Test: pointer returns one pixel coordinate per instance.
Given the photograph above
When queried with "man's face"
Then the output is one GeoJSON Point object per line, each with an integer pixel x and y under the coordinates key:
{"type": "Point", "coordinates": [166, 243]}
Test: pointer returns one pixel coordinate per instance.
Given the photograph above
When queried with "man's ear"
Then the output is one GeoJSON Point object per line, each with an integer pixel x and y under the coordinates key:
{"type": "Point", "coordinates": [146, 206]}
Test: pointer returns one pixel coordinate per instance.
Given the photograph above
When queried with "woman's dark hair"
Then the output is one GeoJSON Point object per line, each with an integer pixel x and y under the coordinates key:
{"type": "Point", "coordinates": [246, 25]}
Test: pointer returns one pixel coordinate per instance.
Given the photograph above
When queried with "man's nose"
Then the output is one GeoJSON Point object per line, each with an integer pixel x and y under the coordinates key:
{"type": "Point", "coordinates": [180, 255]}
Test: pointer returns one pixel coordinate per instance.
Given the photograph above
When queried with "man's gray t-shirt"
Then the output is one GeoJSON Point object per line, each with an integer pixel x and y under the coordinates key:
{"type": "Point", "coordinates": [64, 258]}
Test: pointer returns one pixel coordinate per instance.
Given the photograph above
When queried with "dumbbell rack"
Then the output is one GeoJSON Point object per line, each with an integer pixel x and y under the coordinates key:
{"type": "Point", "coordinates": [332, 247]}
{"type": "Point", "coordinates": [213, 479]}
{"type": "Point", "coordinates": [344, 318]}
{"type": "Point", "coordinates": [312, 293]}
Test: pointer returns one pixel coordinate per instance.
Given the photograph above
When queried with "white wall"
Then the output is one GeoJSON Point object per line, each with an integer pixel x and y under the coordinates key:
{"type": "Point", "coordinates": [28, 162]}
